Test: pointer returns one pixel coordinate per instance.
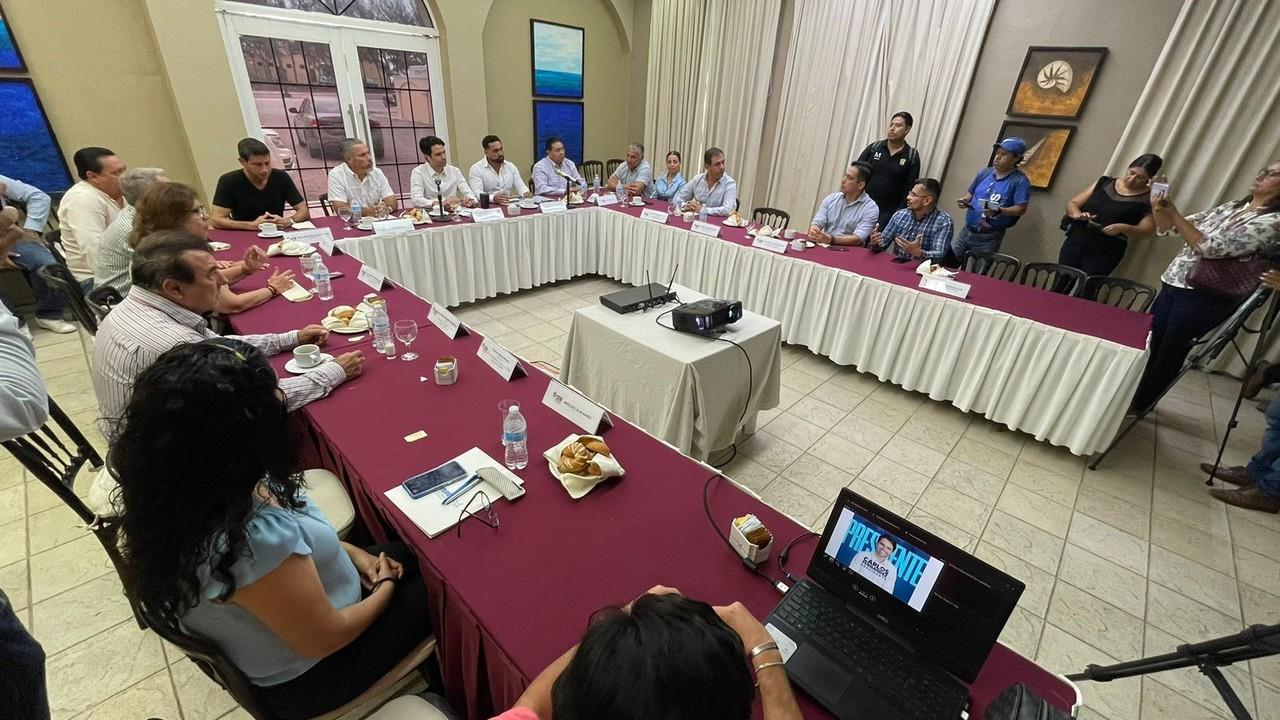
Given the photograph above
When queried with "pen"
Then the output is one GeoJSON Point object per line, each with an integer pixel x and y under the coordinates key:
{"type": "Point", "coordinates": [452, 495]}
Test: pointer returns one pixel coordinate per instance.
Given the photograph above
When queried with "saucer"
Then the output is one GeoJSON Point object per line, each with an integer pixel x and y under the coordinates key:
{"type": "Point", "coordinates": [277, 234]}
{"type": "Point", "coordinates": [293, 367]}
{"type": "Point", "coordinates": [364, 226]}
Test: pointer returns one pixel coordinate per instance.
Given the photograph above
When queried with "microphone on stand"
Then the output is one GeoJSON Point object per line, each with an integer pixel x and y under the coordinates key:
{"type": "Point", "coordinates": [569, 182]}
{"type": "Point", "coordinates": [440, 199]}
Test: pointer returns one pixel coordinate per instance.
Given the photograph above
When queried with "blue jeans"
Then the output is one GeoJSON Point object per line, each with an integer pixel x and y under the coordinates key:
{"type": "Point", "coordinates": [1264, 468]}
{"type": "Point", "coordinates": [31, 257]}
{"type": "Point", "coordinates": [978, 244]}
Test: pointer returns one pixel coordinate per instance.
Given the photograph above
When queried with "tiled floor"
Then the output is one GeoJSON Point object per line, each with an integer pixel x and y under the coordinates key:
{"type": "Point", "coordinates": [1125, 561]}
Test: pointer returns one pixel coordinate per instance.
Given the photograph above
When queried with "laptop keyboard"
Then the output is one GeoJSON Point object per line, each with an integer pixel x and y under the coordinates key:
{"type": "Point", "coordinates": [877, 662]}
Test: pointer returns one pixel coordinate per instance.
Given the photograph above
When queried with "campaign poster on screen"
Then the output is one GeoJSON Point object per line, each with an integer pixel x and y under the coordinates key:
{"type": "Point", "coordinates": [884, 559]}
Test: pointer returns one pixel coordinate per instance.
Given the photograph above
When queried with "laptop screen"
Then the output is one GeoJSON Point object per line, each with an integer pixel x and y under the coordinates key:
{"type": "Point", "coordinates": [945, 603]}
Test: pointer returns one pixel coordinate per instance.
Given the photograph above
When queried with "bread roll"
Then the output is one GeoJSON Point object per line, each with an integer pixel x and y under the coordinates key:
{"type": "Point", "coordinates": [574, 459]}
{"type": "Point", "coordinates": [595, 445]}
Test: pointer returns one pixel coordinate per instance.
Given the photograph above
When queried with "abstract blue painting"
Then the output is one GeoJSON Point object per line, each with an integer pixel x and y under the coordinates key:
{"type": "Point", "coordinates": [28, 149]}
{"type": "Point", "coordinates": [561, 119]}
{"type": "Point", "coordinates": [557, 59]}
{"type": "Point", "coordinates": [10, 58]}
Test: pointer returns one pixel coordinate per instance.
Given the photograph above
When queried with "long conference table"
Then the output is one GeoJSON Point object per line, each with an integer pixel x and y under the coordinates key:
{"type": "Point", "coordinates": [506, 601]}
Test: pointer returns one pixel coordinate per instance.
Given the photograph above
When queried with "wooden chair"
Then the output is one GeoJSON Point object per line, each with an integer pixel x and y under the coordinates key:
{"type": "Point", "coordinates": [774, 218]}
{"type": "Point", "coordinates": [610, 165]}
{"type": "Point", "coordinates": [1118, 292]}
{"type": "Point", "coordinates": [324, 204]}
{"type": "Point", "coordinates": [58, 277]}
{"type": "Point", "coordinates": [997, 265]}
{"type": "Point", "coordinates": [1053, 277]}
{"type": "Point", "coordinates": [591, 168]}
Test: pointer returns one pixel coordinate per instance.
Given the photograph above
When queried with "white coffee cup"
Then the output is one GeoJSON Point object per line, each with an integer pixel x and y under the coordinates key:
{"type": "Point", "coordinates": [688, 216]}
{"type": "Point", "coordinates": [789, 234]}
{"type": "Point", "coordinates": [513, 209]}
{"type": "Point", "coordinates": [797, 245]}
{"type": "Point", "coordinates": [268, 228]}
{"type": "Point", "coordinates": [637, 201]}
{"type": "Point", "coordinates": [307, 356]}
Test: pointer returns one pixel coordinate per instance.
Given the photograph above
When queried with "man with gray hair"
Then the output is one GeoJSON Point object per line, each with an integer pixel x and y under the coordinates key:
{"type": "Point", "coordinates": [114, 254]}
{"type": "Point", "coordinates": [356, 180]}
{"type": "Point", "coordinates": [634, 176]}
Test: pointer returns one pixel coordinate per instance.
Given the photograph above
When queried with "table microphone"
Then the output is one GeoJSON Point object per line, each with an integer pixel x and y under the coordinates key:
{"type": "Point", "coordinates": [440, 199]}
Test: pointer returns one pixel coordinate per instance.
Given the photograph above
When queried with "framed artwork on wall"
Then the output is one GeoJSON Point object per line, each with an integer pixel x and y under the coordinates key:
{"type": "Point", "coordinates": [563, 119]}
{"type": "Point", "coordinates": [1055, 81]}
{"type": "Point", "coordinates": [10, 56]}
{"type": "Point", "coordinates": [1046, 144]}
{"type": "Point", "coordinates": [557, 59]}
{"type": "Point", "coordinates": [28, 148]}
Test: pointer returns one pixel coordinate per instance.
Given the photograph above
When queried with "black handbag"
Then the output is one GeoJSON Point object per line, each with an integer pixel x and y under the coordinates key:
{"type": "Point", "coordinates": [1018, 702]}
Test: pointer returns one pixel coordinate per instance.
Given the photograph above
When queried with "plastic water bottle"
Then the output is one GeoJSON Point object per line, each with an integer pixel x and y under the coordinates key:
{"type": "Point", "coordinates": [309, 264]}
{"type": "Point", "coordinates": [515, 435]}
{"type": "Point", "coordinates": [320, 274]}
{"type": "Point", "coordinates": [702, 213]}
{"type": "Point", "coordinates": [356, 212]}
{"type": "Point", "coordinates": [595, 185]}
{"type": "Point", "coordinates": [382, 339]}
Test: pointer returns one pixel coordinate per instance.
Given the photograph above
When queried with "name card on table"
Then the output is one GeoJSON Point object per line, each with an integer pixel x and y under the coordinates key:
{"type": "Point", "coordinates": [372, 277]}
{"type": "Point", "coordinates": [554, 207]}
{"type": "Point", "coordinates": [448, 323]}
{"type": "Point", "coordinates": [777, 245]}
{"type": "Point", "coordinates": [606, 199]}
{"type": "Point", "coordinates": [705, 228]}
{"type": "Point", "coordinates": [393, 226]}
{"type": "Point", "coordinates": [486, 214]}
{"type": "Point", "coordinates": [946, 286]}
{"type": "Point", "coordinates": [655, 215]}
{"type": "Point", "coordinates": [575, 407]}
{"type": "Point", "coordinates": [318, 236]}
{"type": "Point", "coordinates": [501, 360]}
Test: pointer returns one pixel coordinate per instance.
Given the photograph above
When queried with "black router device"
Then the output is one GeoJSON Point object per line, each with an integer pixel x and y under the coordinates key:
{"type": "Point", "coordinates": [705, 317]}
{"type": "Point", "coordinates": [640, 298]}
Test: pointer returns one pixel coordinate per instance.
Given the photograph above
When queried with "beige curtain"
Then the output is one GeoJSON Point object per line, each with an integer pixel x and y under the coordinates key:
{"type": "Point", "coordinates": [849, 66]}
{"type": "Point", "coordinates": [709, 67]}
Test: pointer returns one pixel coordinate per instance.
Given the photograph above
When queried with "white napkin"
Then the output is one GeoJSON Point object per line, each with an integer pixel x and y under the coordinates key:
{"type": "Point", "coordinates": [579, 485]}
{"type": "Point", "coordinates": [304, 225]}
{"type": "Point", "coordinates": [297, 293]}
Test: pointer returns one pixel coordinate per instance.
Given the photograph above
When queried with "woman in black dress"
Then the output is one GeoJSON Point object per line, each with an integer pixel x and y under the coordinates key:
{"type": "Point", "coordinates": [1102, 218]}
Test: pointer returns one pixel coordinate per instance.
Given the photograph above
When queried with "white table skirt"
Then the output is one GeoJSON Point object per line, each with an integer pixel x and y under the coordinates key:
{"type": "Point", "coordinates": [1062, 387]}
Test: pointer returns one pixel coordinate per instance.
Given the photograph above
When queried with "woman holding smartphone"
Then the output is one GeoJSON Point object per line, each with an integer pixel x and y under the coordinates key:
{"type": "Point", "coordinates": [1182, 312]}
{"type": "Point", "coordinates": [1102, 218]}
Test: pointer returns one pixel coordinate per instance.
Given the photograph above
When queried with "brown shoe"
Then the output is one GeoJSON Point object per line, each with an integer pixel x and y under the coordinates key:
{"type": "Point", "coordinates": [1256, 380]}
{"type": "Point", "coordinates": [1250, 498]}
{"type": "Point", "coordinates": [1238, 475]}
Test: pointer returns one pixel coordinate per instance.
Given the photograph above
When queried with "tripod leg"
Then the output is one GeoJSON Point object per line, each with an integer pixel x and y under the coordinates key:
{"type": "Point", "coordinates": [1228, 693]}
{"type": "Point", "coordinates": [1132, 423]}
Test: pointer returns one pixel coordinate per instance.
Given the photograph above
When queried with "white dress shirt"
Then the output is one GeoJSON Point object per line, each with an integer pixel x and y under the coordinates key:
{"type": "Point", "coordinates": [482, 178]}
{"type": "Point", "coordinates": [24, 406]}
{"type": "Point", "coordinates": [344, 186]}
{"type": "Point", "coordinates": [719, 199]}
{"type": "Point", "coordinates": [547, 180]}
{"type": "Point", "coordinates": [145, 325]}
{"type": "Point", "coordinates": [84, 215]}
{"type": "Point", "coordinates": [422, 184]}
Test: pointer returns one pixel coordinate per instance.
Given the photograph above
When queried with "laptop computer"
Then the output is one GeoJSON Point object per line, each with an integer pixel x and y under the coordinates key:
{"type": "Point", "coordinates": [893, 622]}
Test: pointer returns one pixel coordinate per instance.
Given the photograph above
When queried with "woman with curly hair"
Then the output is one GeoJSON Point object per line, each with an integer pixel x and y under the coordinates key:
{"type": "Point", "coordinates": [227, 546]}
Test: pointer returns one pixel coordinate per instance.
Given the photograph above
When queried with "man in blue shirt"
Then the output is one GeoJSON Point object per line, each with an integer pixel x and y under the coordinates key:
{"type": "Point", "coordinates": [997, 197]}
{"type": "Point", "coordinates": [920, 230]}
{"type": "Point", "coordinates": [850, 216]}
{"type": "Point", "coordinates": [713, 190]}
{"type": "Point", "coordinates": [22, 248]}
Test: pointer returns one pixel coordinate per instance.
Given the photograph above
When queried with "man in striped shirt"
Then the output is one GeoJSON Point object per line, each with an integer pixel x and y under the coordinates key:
{"type": "Point", "coordinates": [175, 284]}
{"type": "Point", "coordinates": [920, 230]}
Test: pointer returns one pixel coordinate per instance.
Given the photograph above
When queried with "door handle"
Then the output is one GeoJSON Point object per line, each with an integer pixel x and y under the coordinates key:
{"type": "Point", "coordinates": [368, 129]}
{"type": "Point", "coordinates": [351, 110]}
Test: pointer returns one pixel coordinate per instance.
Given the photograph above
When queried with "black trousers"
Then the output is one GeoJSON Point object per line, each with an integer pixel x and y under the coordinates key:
{"type": "Point", "coordinates": [22, 684]}
{"type": "Point", "coordinates": [1092, 256]}
{"type": "Point", "coordinates": [1180, 316]}
{"type": "Point", "coordinates": [341, 677]}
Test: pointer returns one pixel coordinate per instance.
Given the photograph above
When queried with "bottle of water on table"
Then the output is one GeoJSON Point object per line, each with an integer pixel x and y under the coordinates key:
{"type": "Point", "coordinates": [320, 274]}
{"type": "Point", "coordinates": [515, 435]}
{"type": "Point", "coordinates": [595, 185]}
{"type": "Point", "coordinates": [702, 213]}
{"type": "Point", "coordinates": [356, 212]}
{"type": "Point", "coordinates": [381, 325]}
{"type": "Point", "coordinates": [309, 264]}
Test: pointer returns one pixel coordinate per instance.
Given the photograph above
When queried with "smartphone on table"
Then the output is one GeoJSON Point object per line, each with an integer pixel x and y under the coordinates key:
{"type": "Point", "coordinates": [432, 480]}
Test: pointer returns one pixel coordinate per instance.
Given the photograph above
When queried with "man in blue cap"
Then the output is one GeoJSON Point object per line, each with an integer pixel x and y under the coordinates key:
{"type": "Point", "coordinates": [997, 197]}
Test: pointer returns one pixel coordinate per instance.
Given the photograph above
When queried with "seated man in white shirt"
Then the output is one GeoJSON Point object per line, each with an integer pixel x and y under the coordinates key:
{"type": "Point", "coordinates": [436, 178]}
{"type": "Point", "coordinates": [711, 190]}
{"type": "Point", "coordinates": [357, 180]}
{"type": "Point", "coordinates": [555, 172]}
{"type": "Point", "coordinates": [850, 216]}
{"type": "Point", "coordinates": [493, 175]}
{"type": "Point", "coordinates": [88, 209]}
{"type": "Point", "coordinates": [634, 177]}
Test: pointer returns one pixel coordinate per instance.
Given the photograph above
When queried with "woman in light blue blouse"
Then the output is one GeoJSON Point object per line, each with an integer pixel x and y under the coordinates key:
{"type": "Point", "coordinates": [222, 541]}
{"type": "Point", "coordinates": [666, 186]}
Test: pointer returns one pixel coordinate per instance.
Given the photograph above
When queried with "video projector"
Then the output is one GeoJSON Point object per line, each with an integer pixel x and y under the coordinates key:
{"type": "Point", "coordinates": [705, 317]}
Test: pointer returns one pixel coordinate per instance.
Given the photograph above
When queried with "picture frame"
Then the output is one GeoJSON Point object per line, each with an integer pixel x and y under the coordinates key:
{"type": "Point", "coordinates": [563, 119]}
{"type": "Point", "coordinates": [29, 149]}
{"type": "Point", "coordinates": [1046, 145]}
{"type": "Point", "coordinates": [10, 56]}
{"type": "Point", "coordinates": [557, 59]}
{"type": "Point", "coordinates": [1055, 82]}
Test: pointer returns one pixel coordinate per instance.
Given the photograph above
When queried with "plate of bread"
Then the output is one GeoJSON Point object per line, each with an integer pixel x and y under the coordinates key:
{"type": "Point", "coordinates": [575, 198]}
{"type": "Point", "coordinates": [735, 220]}
{"type": "Point", "coordinates": [346, 319]}
{"type": "Point", "coordinates": [580, 462]}
{"type": "Point", "coordinates": [418, 215]}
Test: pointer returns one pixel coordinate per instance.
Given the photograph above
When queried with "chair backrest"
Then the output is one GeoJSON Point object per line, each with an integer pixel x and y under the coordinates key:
{"type": "Point", "coordinates": [1118, 292]}
{"type": "Point", "coordinates": [324, 204]}
{"type": "Point", "coordinates": [998, 265]}
{"type": "Point", "coordinates": [591, 168]}
{"type": "Point", "coordinates": [612, 164]}
{"type": "Point", "coordinates": [102, 299]}
{"type": "Point", "coordinates": [59, 278]}
{"type": "Point", "coordinates": [774, 218]}
{"type": "Point", "coordinates": [53, 241]}
{"type": "Point", "coordinates": [1053, 277]}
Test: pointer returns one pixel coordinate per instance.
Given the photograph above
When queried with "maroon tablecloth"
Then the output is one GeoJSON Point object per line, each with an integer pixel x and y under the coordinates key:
{"type": "Point", "coordinates": [505, 602]}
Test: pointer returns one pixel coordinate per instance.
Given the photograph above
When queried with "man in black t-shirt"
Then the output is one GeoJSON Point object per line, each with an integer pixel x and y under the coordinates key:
{"type": "Point", "coordinates": [895, 167]}
{"type": "Point", "coordinates": [256, 193]}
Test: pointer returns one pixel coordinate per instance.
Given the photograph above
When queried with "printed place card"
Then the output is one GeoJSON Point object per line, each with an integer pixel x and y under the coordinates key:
{"type": "Point", "coordinates": [486, 214]}
{"type": "Point", "coordinates": [606, 199]}
{"type": "Point", "coordinates": [705, 228]}
{"type": "Point", "coordinates": [500, 359]}
{"type": "Point", "coordinates": [945, 286]}
{"type": "Point", "coordinates": [553, 207]}
{"type": "Point", "coordinates": [777, 245]}
{"type": "Point", "coordinates": [372, 277]}
{"type": "Point", "coordinates": [448, 323]}
{"type": "Point", "coordinates": [575, 407]}
{"type": "Point", "coordinates": [393, 226]}
{"type": "Point", "coordinates": [654, 215]}
{"type": "Point", "coordinates": [318, 236]}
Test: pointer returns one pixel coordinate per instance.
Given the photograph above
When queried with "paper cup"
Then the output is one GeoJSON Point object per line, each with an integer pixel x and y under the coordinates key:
{"type": "Point", "coordinates": [307, 355]}
{"type": "Point", "coordinates": [688, 216]}
{"type": "Point", "coordinates": [268, 228]}
{"type": "Point", "coordinates": [513, 209]}
{"type": "Point", "coordinates": [797, 245]}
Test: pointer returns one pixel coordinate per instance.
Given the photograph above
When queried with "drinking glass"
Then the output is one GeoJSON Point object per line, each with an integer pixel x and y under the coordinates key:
{"type": "Point", "coordinates": [345, 216]}
{"type": "Point", "coordinates": [407, 331]}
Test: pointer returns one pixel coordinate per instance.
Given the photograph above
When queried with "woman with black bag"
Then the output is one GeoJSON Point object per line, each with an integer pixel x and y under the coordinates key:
{"type": "Point", "coordinates": [1226, 251]}
{"type": "Point", "coordinates": [1104, 217]}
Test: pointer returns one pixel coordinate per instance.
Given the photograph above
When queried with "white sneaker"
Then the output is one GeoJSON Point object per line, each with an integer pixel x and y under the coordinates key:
{"type": "Point", "coordinates": [59, 326]}
{"type": "Point", "coordinates": [26, 331]}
